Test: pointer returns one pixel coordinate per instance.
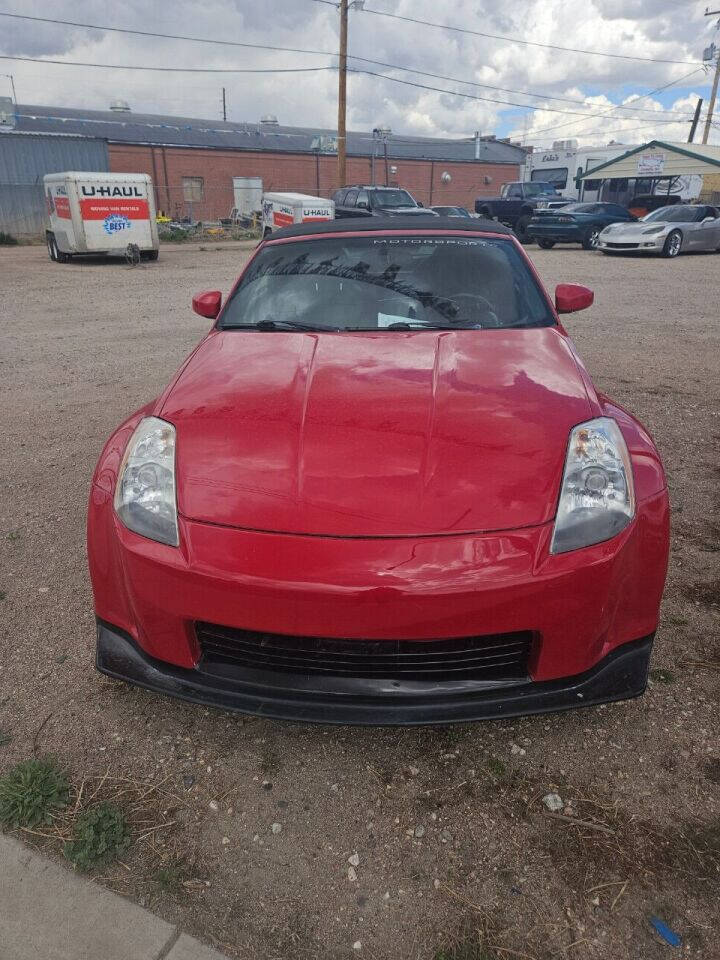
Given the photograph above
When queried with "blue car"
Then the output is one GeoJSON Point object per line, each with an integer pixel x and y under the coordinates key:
{"type": "Point", "coordinates": [576, 223]}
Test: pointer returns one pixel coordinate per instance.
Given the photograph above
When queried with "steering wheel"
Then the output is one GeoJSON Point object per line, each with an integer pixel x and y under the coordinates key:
{"type": "Point", "coordinates": [480, 305]}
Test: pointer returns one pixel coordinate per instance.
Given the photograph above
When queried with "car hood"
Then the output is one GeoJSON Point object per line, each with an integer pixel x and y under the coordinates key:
{"type": "Point", "coordinates": [636, 230]}
{"type": "Point", "coordinates": [375, 434]}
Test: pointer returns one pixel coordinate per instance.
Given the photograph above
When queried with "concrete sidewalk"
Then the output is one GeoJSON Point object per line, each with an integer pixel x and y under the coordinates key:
{"type": "Point", "coordinates": [47, 912]}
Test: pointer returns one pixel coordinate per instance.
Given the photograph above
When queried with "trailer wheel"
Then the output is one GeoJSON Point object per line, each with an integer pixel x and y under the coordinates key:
{"type": "Point", "coordinates": [60, 256]}
{"type": "Point", "coordinates": [52, 249]}
{"type": "Point", "coordinates": [150, 254]}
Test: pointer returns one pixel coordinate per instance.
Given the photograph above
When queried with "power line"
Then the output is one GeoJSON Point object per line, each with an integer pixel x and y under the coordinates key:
{"type": "Point", "coordinates": [234, 43]}
{"type": "Point", "coordinates": [527, 43]}
{"type": "Point", "coordinates": [559, 126]}
{"type": "Point", "coordinates": [507, 103]}
{"type": "Point", "coordinates": [125, 66]}
{"type": "Point", "coordinates": [370, 73]}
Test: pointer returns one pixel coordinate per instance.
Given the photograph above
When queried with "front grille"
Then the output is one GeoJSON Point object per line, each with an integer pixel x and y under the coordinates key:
{"type": "Point", "coordinates": [501, 656]}
{"type": "Point", "coordinates": [623, 246]}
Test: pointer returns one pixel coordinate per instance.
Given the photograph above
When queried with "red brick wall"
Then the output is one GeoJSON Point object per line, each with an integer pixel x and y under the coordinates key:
{"type": "Point", "coordinates": [297, 172]}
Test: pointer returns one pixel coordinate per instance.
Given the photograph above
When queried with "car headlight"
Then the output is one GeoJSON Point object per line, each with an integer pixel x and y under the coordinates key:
{"type": "Point", "coordinates": [654, 230]}
{"type": "Point", "coordinates": [145, 492]}
{"type": "Point", "coordinates": [597, 497]}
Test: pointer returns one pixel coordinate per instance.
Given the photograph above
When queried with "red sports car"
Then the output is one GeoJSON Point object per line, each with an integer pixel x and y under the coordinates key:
{"type": "Point", "coordinates": [383, 489]}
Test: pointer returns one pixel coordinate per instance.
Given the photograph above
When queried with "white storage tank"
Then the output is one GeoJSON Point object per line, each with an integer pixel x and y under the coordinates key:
{"type": "Point", "coordinates": [248, 195]}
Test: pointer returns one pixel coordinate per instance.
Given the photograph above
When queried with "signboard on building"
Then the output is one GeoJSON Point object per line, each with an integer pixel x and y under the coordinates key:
{"type": "Point", "coordinates": [650, 164]}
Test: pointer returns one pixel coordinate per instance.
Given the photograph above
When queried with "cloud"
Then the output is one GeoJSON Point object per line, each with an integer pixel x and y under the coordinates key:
{"type": "Point", "coordinates": [662, 29]}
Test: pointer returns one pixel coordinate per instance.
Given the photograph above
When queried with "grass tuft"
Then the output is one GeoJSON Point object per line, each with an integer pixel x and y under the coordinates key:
{"type": "Point", "coordinates": [469, 949]}
{"type": "Point", "coordinates": [100, 835]}
{"type": "Point", "coordinates": [31, 793]}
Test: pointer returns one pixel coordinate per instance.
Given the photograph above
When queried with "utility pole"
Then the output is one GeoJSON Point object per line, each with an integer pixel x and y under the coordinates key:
{"type": "Point", "coordinates": [224, 109]}
{"type": "Point", "coordinates": [342, 94]}
{"type": "Point", "coordinates": [695, 120]}
{"type": "Point", "coordinates": [713, 95]}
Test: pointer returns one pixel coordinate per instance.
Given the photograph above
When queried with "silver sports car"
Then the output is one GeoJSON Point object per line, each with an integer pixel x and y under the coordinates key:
{"type": "Point", "coordinates": [669, 231]}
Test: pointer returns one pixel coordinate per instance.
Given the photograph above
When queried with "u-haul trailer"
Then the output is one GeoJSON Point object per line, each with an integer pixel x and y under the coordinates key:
{"type": "Point", "coordinates": [100, 213]}
{"type": "Point", "coordinates": [283, 209]}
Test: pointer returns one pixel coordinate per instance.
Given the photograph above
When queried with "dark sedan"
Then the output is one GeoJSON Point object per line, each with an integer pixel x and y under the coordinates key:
{"type": "Point", "coordinates": [576, 223]}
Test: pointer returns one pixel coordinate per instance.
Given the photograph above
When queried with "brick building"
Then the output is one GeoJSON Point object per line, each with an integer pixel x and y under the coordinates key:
{"type": "Point", "coordinates": [192, 162]}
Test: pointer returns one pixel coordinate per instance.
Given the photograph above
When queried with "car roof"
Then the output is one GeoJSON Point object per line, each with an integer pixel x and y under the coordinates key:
{"type": "Point", "coordinates": [392, 224]}
{"type": "Point", "coordinates": [368, 186]}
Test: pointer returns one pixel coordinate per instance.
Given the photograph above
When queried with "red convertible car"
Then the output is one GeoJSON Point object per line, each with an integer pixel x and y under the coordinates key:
{"type": "Point", "coordinates": [383, 489]}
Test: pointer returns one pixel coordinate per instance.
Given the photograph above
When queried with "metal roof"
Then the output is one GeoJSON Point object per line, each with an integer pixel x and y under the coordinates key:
{"type": "Point", "coordinates": [146, 128]}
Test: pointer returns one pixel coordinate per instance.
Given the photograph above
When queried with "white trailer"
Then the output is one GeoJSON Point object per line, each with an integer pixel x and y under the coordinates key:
{"type": "Point", "coordinates": [100, 213]}
{"type": "Point", "coordinates": [283, 209]}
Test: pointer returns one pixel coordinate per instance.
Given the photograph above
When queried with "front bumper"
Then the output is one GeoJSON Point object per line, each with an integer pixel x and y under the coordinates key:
{"type": "Point", "coordinates": [580, 608]}
{"type": "Point", "coordinates": [622, 674]}
{"type": "Point", "coordinates": [555, 232]}
{"type": "Point", "coordinates": [647, 244]}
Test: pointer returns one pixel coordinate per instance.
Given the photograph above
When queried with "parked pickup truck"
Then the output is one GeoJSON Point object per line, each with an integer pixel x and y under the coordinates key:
{"type": "Point", "coordinates": [517, 204]}
{"type": "Point", "coordinates": [367, 201]}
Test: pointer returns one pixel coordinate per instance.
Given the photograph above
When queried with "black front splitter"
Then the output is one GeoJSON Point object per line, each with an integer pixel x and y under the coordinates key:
{"type": "Point", "coordinates": [311, 699]}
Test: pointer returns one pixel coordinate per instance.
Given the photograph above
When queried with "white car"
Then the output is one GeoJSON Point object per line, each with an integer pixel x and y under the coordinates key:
{"type": "Point", "coordinates": [669, 230]}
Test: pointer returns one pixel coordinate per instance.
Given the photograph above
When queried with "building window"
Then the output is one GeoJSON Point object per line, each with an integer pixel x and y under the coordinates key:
{"type": "Point", "coordinates": [193, 189]}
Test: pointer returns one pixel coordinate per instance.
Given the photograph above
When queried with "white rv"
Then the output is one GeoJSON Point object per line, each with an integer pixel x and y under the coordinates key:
{"type": "Point", "coordinates": [565, 162]}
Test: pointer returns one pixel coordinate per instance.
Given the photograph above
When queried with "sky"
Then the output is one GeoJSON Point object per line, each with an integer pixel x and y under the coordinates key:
{"type": "Point", "coordinates": [590, 98]}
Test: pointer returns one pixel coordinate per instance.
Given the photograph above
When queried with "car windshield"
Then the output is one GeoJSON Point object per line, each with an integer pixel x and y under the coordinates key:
{"type": "Point", "coordinates": [386, 283]}
{"type": "Point", "coordinates": [394, 198]}
{"type": "Point", "coordinates": [537, 188]}
{"type": "Point", "coordinates": [676, 214]}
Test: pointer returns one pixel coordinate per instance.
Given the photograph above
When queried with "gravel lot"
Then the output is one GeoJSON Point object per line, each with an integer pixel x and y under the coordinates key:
{"type": "Point", "coordinates": [453, 844]}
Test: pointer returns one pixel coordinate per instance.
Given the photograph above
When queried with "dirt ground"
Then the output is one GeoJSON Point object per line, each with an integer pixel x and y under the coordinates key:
{"type": "Point", "coordinates": [454, 846]}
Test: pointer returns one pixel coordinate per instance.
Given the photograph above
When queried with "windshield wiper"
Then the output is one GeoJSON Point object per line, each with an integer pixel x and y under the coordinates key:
{"type": "Point", "coordinates": [279, 325]}
{"type": "Point", "coordinates": [406, 325]}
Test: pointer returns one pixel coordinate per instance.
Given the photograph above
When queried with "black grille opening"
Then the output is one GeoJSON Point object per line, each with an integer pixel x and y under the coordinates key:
{"type": "Point", "coordinates": [501, 656]}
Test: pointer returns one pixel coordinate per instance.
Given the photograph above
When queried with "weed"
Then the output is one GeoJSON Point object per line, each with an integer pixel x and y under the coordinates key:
{"type": "Point", "coordinates": [677, 621]}
{"type": "Point", "coordinates": [14, 536]}
{"type": "Point", "coordinates": [3, 595]}
{"type": "Point", "coordinates": [31, 793]}
{"type": "Point", "coordinates": [662, 676]}
{"type": "Point", "coordinates": [5, 738]}
{"type": "Point", "coordinates": [468, 949]}
{"type": "Point", "coordinates": [496, 767]}
{"type": "Point", "coordinates": [99, 836]}
{"type": "Point", "coordinates": [170, 876]}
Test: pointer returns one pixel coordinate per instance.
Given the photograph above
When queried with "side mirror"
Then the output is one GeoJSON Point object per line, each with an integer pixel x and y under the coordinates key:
{"type": "Point", "coordinates": [207, 304]}
{"type": "Point", "coordinates": [571, 297]}
{"type": "Point", "coordinates": [420, 203]}
{"type": "Point", "coordinates": [709, 220]}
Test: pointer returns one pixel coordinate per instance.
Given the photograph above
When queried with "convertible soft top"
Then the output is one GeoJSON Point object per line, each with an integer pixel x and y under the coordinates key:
{"type": "Point", "coordinates": [405, 224]}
